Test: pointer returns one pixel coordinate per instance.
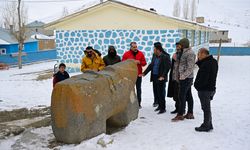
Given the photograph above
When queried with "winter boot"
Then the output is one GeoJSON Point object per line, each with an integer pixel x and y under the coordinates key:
{"type": "Point", "coordinates": [174, 112]}
{"type": "Point", "coordinates": [189, 116]}
{"type": "Point", "coordinates": [204, 128]}
{"type": "Point", "coordinates": [161, 112]}
{"type": "Point", "coordinates": [157, 109]}
{"type": "Point", "coordinates": [155, 104]}
{"type": "Point", "coordinates": [178, 118]}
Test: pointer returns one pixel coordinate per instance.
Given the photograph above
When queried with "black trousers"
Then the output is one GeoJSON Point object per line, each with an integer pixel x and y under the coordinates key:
{"type": "Point", "coordinates": [205, 98]}
{"type": "Point", "coordinates": [185, 94]}
{"type": "Point", "coordinates": [156, 101]}
{"type": "Point", "coordinates": [176, 94]}
{"type": "Point", "coordinates": [138, 89]}
{"type": "Point", "coordinates": [159, 89]}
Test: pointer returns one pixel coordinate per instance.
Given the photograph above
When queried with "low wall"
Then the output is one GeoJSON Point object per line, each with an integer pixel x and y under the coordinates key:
{"type": "Point", "coordinates": [231, 51]}
{"type": "Point", "coordinates": [28, 57]}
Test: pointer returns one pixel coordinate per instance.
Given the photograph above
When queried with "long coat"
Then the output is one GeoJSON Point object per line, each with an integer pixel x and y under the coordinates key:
{"type": "Point", "coordinates": [171, 82]}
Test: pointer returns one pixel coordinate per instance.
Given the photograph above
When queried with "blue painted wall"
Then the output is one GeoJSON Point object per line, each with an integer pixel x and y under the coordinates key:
{"type": "Point", "coordinates": [28, 47]}
{"type": "Point", "coordinates": [70, 44]}
{"type": "Point", "coordinates": [231, 51]}
{"type": "Point", "coordinates": [29, 58]}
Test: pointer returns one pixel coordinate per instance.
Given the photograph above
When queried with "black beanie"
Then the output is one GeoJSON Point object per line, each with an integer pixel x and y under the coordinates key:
{"type": "Point", "coordinates": [184, 43]}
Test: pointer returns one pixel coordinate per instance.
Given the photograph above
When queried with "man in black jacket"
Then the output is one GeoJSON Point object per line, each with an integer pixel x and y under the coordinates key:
{"type": "Point", "coordinates": [205, 84]}
{"type": "Point", "coordinates": [112, 57]}
{"type": "Point", "coordinates": [159, 67]}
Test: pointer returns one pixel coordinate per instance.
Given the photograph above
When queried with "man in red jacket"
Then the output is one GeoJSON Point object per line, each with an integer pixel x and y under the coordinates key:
{"type": "Point", "coordinates": [139, 58]}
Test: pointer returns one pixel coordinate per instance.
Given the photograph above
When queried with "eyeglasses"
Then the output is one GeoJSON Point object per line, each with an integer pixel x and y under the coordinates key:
{"type": "Point", "coordinates": [89, 52]}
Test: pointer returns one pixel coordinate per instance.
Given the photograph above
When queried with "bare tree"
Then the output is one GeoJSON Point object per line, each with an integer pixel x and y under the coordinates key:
{"type": "Point", "coordinates": [14, 18]}
{"type": "Point", "coordinates": [193, 10]}
{"type": "Point", "coordinates": [185, 9]}
{"type": "Point", "coordinates": [21, 34]}
{"type": "Point", "coordinates": [177, 8]}
{"type": "Point", "coordinates": [65, 12]}
{"type": "Point", "coordinates": [9, 15]}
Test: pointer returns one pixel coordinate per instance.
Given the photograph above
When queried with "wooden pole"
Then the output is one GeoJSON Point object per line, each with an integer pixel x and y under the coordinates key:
{"type": "Point", "coordinates": [20, 43]}
{"type": "Point", "coordinates": [218, 52]}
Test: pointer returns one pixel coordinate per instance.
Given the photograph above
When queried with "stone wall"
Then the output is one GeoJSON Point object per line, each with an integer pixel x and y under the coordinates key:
{"type": "Point", "coordinates": [70, 44]}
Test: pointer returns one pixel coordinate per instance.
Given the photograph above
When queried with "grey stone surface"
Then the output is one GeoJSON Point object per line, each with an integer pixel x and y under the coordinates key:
{"type": "Point", "coordinates": [83, 105]}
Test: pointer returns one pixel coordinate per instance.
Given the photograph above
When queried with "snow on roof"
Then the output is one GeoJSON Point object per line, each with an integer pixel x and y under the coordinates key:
{"type": "Point", "coordinates": [39, 36]}
{"type": "Point", "coordinates": [3, 42]}
{"type": "Point", "coordinates": [8, 37]}
{"type": "Point", "coordinates": [97, 3]}
{"type": "Point", "coordinates": [35, 24]}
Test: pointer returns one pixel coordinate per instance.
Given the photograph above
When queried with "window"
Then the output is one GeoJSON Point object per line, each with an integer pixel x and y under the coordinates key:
{"type": "Point", "coordinates": [193, 38]}
{"type": "Point", "coordinates": [205, 36]}
{"type": "Point", "coordinates": [185, 33]}
{"type": "Point", "coordinates": [2, 51]}
{"type": "Point", "coordinates": [199, 37]}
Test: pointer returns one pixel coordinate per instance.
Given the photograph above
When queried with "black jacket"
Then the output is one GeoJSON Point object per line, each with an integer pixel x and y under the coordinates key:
{"type": "Point", "coordinates": [111, 59]}
{"type": "Point", "coordinates": [60, 77]}
{"type": "Point", "coordinates": [108, 60]}
{"type": "Point", "coordinates": [164, 66]}
{"type": "Point", "coordinates": [207, 74]}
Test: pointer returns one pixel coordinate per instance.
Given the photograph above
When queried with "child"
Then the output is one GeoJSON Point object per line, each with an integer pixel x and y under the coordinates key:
{"type": "Point", "coordinates": [60, 75]}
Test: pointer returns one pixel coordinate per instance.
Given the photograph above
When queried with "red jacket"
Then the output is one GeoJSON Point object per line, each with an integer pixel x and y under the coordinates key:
{"type": "Point", "coordinates": [139, 56]}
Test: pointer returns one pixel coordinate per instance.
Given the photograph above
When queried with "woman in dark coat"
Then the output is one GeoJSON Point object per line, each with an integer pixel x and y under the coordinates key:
{"type": "Point", "coordinates": [173, 85]}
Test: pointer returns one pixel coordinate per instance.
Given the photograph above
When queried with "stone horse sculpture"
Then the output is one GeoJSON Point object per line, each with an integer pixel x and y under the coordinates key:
{"type": "Point", "coordinates": [82, 106]}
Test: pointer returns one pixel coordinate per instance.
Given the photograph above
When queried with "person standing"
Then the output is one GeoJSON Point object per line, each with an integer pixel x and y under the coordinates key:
{"type": "Point", "coordinates": [139, 58]}
{"type": "Point", "coordinates": [205, 84]}
{"type": "Point", "coordinates": [185, 75]}
{"type": "Point", "coordinates": [159, 68]}
{"type": "Point", "coordinates": [60, 75]}
{"type": "Point", "coordinates": [92, 61]}
{"type": "Point", "coordinates": [173, 84]}
{"type": "Point", "coordinates": [112, 57]}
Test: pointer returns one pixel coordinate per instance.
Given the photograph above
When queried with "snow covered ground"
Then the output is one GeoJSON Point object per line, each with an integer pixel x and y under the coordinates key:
{"type": "Point", "coordinates": [19, 88]}
{"type": "Point", "coordinates": [230, 108]}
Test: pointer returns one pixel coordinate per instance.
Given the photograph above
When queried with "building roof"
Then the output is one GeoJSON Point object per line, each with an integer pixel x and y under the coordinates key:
{"type": "Point", "coordinates": [146, 14]}
{"type": "Point", "coordinates": [35, 23]}
{"type": "Point", "coordinates": [7, 38]}
{"type": "Point", "coordinates": [3, 42]}
{"type": "Point", "coordinates": [40, 36]}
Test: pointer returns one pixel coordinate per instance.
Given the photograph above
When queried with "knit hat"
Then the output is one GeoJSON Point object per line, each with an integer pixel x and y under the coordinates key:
{"type": "Point", "coordinates": [184, 43]}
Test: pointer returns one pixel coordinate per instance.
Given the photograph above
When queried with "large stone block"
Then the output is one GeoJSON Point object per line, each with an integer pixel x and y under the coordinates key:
{"type": "Point", "coordinates": [83, 105]}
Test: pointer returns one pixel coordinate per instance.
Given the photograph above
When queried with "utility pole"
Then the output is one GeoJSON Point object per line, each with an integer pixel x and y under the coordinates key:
{"type": "Point", "coordinates": [218, 53]}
